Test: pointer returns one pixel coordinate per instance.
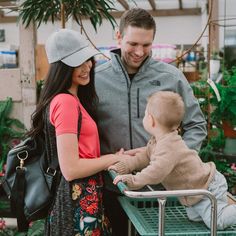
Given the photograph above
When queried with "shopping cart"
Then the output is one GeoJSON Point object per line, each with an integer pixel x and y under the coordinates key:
{"type": "Point", "coordinates": [142, 210]}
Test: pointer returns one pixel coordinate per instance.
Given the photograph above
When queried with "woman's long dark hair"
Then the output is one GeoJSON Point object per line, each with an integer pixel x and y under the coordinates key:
{"type": "Point", "coordinates": [59, 80]}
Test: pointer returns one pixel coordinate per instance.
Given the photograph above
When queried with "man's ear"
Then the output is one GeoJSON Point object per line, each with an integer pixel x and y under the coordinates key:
{"type": "Point", "coordinates": [118, 37]}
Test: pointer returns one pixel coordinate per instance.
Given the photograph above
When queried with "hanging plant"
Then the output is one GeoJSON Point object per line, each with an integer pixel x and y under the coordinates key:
{"type": "Point", "coordinates": [42, 11]}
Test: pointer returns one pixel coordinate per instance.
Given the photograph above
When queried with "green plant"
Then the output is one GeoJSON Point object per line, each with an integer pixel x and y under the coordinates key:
{"type": "Point", "coordinates": [201, 90]}
{"type": "Point", "coordinates": [10, 129]}
{"type": "Point", "coordinates": [213, 143]}
{"type": "Point", "coordinates": [45, 10]}
{"type": "Point", "coordinates": [225, 107]}
{"type": "Point", "coordinates": [35, 229]}
{"type": "Point", "coordinates": [215, 55]}
{"type": "Point", "coordinates": [230, 77]}
{"type": "Point", "coordinates": [215, 111]}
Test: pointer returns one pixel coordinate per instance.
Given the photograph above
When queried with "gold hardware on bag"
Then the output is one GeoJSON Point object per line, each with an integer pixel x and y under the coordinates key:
{"type": "Point", "coordinates": [22, 158]}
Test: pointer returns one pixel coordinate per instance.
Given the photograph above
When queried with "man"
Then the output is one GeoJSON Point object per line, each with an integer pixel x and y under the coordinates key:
{"type": "Point", "coordinates": [123, 85]}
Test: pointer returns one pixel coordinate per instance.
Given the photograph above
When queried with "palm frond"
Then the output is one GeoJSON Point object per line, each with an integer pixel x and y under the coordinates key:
{"type": "Point", "coordinates": [39, 11]}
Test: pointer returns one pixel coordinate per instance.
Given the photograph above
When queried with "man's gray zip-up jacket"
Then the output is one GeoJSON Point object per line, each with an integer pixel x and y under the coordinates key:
{"type": "Point", "coordinates": [122, 103]}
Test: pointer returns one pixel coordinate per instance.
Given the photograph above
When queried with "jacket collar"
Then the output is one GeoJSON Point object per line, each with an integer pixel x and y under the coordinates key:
{"type": "Point", "coordinates": [118, 65]}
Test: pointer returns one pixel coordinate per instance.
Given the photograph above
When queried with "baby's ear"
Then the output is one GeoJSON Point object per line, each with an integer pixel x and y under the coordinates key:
{"type": "Point", "coordinates": [152, 120]}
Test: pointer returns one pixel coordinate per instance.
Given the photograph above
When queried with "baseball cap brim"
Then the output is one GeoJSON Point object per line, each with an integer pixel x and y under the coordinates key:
{"type": "Point", "coordinates": [80, 56]}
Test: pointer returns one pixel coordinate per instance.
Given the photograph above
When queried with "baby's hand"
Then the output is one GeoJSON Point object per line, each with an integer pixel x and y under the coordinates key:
{"type": "Point", "coordinates": [124, 157]}
{"type": "Point", "coordinates": [121, 166]}
{"type": "Point", "coordinates": [117, 179]}
{"type": "Point", "coordinates": [121, 151]}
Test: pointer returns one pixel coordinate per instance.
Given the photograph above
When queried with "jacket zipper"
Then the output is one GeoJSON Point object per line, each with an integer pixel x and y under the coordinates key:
{"type": "Point", "coordinates": [129, 104]}
{"type": "Point", "coordinates": [138, 115]}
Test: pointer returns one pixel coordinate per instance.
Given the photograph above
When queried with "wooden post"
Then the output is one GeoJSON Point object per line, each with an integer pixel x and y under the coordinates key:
{"type": "Point", "coordinates": [27, 71]}
{"type": "Point", "coordinates": [62, 15]}
{"type": "Point", "coordinates": [213, 27]}
{"type": "Point", "coordinates": [213, 44]}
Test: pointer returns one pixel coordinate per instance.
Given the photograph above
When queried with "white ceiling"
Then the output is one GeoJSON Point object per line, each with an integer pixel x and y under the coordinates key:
{"type": "Point", "coordinates": [121, 5]}
{"type": "Point", "coordinates": [160, 4]}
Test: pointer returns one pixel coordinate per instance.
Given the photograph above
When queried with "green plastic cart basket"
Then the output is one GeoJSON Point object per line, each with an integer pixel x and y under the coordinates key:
{"type": "Point", "coordinates": [143, 214]}
{"type": "Point", "coordinates": [159, 213]}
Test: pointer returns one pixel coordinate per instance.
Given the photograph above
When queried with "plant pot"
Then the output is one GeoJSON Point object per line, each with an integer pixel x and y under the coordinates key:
{"type": "Point", "coordinates": [192, 76]}
{"type": "Point", "coordinates": [229, 131]}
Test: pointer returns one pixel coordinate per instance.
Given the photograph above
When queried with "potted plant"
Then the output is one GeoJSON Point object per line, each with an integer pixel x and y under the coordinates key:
{"type": "Point", "coordinates": [224, 106]}
{"type": "Point", "coordinates": [217, 147]}
{"type": "Point", "coordinates": [10, 130]}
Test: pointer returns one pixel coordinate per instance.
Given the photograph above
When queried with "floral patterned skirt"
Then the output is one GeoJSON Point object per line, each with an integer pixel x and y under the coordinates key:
{"type": "Point", "coordinates": [83, 213]}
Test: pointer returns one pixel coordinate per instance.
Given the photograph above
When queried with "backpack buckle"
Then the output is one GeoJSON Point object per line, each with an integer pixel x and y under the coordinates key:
{"type": "Point", "coordinates": [51, 171]}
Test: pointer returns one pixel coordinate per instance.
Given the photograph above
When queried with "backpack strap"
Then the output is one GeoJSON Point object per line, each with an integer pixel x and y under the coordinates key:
{"type": "Point", "coordinates": [50, 144]}
{"type": "Point", "coordinates": [50, 139]}
{"type": "Point", "coordinates": [17, 200]}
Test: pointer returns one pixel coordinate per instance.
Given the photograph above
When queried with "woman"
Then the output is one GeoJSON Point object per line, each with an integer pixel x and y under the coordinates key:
{"type": "Point", "coordinates": [67, 101]}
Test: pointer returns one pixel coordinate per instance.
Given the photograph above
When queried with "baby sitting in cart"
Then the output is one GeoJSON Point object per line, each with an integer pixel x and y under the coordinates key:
{"type": "Point", "coordinates": [167, 160]}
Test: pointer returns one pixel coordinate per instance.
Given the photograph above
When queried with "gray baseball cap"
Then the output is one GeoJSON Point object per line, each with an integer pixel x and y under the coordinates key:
{"type": "Point", "coordinates": [68, 46]}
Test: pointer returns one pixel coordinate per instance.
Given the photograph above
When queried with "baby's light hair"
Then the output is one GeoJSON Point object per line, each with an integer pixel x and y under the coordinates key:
{"type": "Point", "coordinates": [167, 108]}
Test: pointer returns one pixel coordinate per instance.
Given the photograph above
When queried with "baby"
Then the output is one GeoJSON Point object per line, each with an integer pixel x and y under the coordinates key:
{"type": "Point", "coordinates": [166, 159]}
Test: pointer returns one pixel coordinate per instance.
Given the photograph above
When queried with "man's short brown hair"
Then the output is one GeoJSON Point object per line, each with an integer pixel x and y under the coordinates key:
{"type": "Point", "coordinates": [137, 17]}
